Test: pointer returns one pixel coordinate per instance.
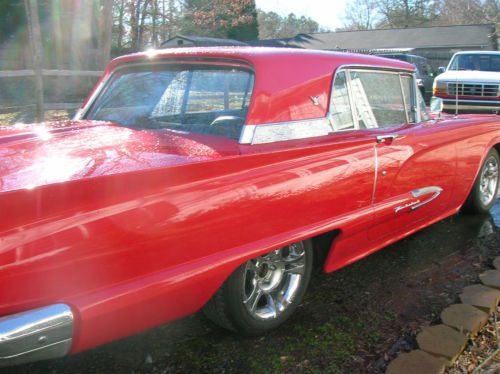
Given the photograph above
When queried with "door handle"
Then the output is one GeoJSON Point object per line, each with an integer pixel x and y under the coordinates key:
{"type": "Point", "coordinates": [384, 138]}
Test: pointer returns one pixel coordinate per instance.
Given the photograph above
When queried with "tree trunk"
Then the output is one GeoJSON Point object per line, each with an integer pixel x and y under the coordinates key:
{"type": "Point", "coordinates": [36, 48]}
{"type": "Point", "coordinates": [121, 28]}
{"type": "Point", "coordinates": [106, 29]}
{"type": "Point", "coordinates": [154, 14]}
{"type": "Point", "coordinates": [141, 24]}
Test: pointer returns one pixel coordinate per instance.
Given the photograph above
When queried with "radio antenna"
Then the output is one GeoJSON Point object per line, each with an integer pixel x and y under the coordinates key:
{"type": "Point", "coordinates": [456, 92]}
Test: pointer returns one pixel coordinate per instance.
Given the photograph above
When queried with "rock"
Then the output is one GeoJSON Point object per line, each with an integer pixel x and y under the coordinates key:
{"type": "Point", "coordinates": [481, 296]}
{"type": "Point", "coordinates": [496, 263]}
{"type": "Point", "coordinates": [416, 362]}
{"type": "Point", "coordinates": [149, 359]}
{"type": "Point", "coordinates": [442, 340]}
{"type": "Point", "coordinates": [491, 278]}
{"type": "Point", "coordinates": [464, 317]}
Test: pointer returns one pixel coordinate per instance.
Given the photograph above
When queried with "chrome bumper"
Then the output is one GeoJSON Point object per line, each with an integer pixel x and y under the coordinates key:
{"type": "Point", "coordinates": [37, 334]}
{"type": "Point", "coordinates": [480, 105]}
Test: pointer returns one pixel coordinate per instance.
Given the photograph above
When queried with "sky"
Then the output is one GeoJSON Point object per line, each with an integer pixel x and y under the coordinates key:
{"type": "Point", "coordinates": [328, 13]}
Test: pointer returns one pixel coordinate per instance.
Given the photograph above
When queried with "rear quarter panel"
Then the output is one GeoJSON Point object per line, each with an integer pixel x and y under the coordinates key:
{"type": "Point", "coordinates": [134, 250]}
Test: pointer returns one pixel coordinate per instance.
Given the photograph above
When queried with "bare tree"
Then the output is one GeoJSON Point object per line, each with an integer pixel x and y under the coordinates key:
{"type": "Point", "coordinates": [407, 13]}
{"type": "Point", "coordinates": [360, 15]}
{"type": "Point", "coordinates": [463, 12]}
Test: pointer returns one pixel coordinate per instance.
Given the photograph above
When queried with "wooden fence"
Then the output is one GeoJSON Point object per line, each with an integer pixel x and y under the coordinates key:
{"type": "Point", "coordinates": [49, 72]}
{"type": "Point", "coordinates": [28, 73]}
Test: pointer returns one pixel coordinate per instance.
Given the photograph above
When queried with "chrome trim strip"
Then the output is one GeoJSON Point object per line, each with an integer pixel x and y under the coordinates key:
{"type": "Point", "coordinates": [280, 131]}
{"type": "Point", "coordinates": [472, 101]}
{"type": "Point", "coordinates": [361, 67]}
{"type": "Point", "coordinates": [404, 99]}
{"type": "Point", "coordinates": [36, 334]}
{"type": "Point", "coordinates": [247, 133]}
{"type": "Point", "coordinates": [435, 190]}
{"type": "Point", "coordinates": [375, 182]}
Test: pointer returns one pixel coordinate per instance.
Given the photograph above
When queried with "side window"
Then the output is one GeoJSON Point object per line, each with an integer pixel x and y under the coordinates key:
{"type": "Point", "coordinates": [377, 99]}
{"type": "Point", "coordinates": [340, 105]}
{"type": "Point", "coordinates": [406, 86]}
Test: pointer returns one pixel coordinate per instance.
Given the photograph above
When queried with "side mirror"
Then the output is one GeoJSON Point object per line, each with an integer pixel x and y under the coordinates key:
{"type": "Point", "coordinates": [441, 69]}
{"type": "Point", "coordinates": [436, 105]}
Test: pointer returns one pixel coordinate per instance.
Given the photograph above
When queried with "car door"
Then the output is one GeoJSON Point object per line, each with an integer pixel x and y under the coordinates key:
{"type": "Point", "coordinates": [411, 185]}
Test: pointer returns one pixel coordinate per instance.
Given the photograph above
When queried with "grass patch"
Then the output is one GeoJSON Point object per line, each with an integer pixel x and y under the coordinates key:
{"type": "Point", "coordinates": [29, 116]}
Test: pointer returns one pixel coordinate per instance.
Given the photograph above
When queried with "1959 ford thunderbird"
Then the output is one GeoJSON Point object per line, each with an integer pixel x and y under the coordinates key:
{"type": "Point", "coordinates": [210, 179]}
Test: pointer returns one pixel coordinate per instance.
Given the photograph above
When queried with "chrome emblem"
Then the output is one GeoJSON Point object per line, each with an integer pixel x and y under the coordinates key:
{"type": "Point", "coordinates": [417, 194]}
{"type": "Point", "coordinates": [315, 99]}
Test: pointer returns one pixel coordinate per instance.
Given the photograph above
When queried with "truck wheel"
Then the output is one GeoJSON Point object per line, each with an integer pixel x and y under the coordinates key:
{"type": "Point", "coordinates": [484, 192]}
{"type": "Point", "coordinates": [263, 292]}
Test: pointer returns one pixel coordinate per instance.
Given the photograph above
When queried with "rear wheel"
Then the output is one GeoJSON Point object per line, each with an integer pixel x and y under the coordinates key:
{"type": "Point", "coordinates": [484, 192]}
{"type": "Point", "coordinates": [263, 292]}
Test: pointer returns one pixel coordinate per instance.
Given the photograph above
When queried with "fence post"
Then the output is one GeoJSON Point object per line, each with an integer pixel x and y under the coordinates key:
{"type": "Point", "coordinates": [36, 50]}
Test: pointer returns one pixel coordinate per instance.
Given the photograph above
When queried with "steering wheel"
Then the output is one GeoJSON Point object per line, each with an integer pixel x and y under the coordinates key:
{"type": "Point", "coordinates": [228, 126]}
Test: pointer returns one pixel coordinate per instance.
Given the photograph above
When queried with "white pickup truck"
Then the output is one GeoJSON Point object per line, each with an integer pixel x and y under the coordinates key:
{"type": "Point", "coordinates": [471, 82]}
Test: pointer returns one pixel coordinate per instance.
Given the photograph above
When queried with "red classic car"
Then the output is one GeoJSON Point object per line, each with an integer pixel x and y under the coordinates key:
{"type": "Point", "coordinates": [209, 179]}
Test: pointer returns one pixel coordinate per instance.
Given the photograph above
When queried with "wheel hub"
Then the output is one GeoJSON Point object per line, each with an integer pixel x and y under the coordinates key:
{"type": "Point", "coordinates": [270, 276]}
{"type": "Point", "coordinates": [272, 281]}
{"type": "Point", "coordinates": [489, 181]}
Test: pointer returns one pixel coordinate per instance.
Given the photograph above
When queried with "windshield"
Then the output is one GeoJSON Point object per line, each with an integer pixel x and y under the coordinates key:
{"type": "Point", "coordinates": [202, 99]}
{"type": "Point", "coordinates": [476, 61]}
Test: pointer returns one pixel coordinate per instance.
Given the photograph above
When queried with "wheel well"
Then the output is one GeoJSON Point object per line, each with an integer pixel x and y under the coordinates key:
{"type": "Point", "coordinates": [497, 147]}
{"type": "Point", "coordinates": [321, 245]}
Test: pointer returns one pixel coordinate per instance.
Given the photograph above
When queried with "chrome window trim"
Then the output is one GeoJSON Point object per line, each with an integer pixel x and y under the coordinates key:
{"type": "Point", "coordinates": [355, 121]}
{"type": "Point", "coordinates": [282, 131]}
{"type": "Point", "coordinates": [416, 104]}
{"type": "Point", "coordinates": [354, 111]}
{"type": "Point", "coordinates": [403, 97]}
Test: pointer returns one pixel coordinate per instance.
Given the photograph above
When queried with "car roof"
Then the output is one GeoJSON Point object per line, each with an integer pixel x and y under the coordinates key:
{"type": "Point", "coordinates": [252, 54]}
{"type": "Point", "coordinates": [286, 79]}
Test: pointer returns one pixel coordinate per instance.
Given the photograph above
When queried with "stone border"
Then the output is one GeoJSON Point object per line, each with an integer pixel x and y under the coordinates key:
{"type": "Point", "coordinates": [440, 345]}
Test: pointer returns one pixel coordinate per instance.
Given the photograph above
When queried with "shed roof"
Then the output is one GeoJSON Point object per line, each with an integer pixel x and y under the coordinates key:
{"type": "Point", "coordinates": [202, 41]}
{"type": "Point", "coordinates": [457, 36]}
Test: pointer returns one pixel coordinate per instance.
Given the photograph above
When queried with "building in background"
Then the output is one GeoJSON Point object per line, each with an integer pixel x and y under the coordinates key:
{"type": "Point", "coordinates": [437, 43]}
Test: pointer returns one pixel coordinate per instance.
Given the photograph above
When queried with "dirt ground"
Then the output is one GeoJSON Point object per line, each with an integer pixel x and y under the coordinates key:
{"type": "Point", "coordinates": [482, 354]}
{"type": "Point", "coordinates": [352, 321]}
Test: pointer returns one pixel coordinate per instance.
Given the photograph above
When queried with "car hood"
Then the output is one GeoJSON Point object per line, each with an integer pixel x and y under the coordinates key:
{"type": "Point", "coordinates": [470, 76]}
{"type": "Point", "coordinates": [37, 154]}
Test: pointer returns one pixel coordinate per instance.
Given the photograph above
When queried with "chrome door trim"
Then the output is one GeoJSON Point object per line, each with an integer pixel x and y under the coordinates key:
{"type": "Point", "coordinates": [383, 138]}
{"type": "Point", "coordinates": [434, 190]}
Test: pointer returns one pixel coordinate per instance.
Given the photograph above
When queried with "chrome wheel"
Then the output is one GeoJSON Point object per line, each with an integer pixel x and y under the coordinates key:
{"type": "Point", "coordinates": [488, 183]}
{"type": "Point", "coordinates": [271, 282]}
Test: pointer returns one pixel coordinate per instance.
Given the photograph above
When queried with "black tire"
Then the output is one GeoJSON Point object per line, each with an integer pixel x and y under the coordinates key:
{"type": "Point", "coordinates": [476, 200]}
{"type": "Point", "coordinates": [227, 307]}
